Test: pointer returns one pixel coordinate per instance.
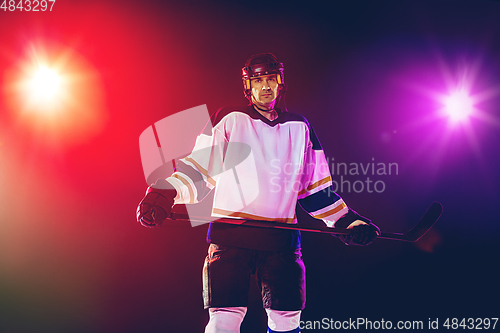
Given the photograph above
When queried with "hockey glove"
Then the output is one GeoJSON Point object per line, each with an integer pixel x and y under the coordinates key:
{"type": "Point", "coordinates": [156, 206]}
{"type": "Point", "coordinates": [363, 230]}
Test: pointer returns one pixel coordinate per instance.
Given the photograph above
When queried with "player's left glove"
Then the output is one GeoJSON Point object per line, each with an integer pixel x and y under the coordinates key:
{"type": "Point", "coordinates": [363, 231]}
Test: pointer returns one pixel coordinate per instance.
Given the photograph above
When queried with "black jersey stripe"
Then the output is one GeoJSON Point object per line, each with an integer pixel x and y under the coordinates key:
{"type": "Point", "coordinates": [319, 200]}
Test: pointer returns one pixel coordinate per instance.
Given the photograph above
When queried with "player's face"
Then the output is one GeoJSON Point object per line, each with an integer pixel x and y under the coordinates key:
{"type": "Point", "coordinates": [264, 90]}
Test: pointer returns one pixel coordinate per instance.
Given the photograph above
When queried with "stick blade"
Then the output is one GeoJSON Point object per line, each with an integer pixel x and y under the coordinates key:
{"type": "Point", "coordinates": [426, 222]}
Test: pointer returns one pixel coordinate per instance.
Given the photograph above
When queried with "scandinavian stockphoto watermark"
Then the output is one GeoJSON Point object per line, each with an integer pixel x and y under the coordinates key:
{"type": "Point", "coordinates": [347, 177]}
{"type": "Point", "coordinates": [364, 324]}
{"type": "Point", "coordinates": [430, 324]}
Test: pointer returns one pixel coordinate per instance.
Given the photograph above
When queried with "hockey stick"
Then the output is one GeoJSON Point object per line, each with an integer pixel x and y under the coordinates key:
{"type": "Point", "coordinates": [425, 223]}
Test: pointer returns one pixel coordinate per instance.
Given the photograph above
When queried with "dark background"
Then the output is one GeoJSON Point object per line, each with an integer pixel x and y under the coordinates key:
{"type": "Point", "coordinates": [366, 74]}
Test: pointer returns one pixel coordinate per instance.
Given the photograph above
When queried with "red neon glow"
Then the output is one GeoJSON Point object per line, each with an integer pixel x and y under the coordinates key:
{"type": "Point", "coordinates": [45, 84]}
{"type": "Point", "coordinates": [56, 94]}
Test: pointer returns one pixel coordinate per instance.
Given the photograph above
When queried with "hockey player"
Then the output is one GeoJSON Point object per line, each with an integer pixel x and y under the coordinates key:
{"type": "Point", "coordinates": [289, 167]}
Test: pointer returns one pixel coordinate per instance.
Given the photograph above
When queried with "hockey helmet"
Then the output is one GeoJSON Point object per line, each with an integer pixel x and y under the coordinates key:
{"type": "Point", "coordinates": [259, 65]}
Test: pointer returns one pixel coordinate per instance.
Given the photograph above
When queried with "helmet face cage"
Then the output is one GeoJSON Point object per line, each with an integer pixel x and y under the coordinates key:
{"type": "Point", "coordinates": [259, 65]}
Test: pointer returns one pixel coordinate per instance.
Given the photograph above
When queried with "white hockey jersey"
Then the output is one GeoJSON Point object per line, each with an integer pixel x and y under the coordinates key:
{"type": "Point", "coordinates": [259, 169]}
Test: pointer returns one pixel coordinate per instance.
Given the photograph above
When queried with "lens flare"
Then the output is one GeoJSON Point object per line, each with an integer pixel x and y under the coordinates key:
{"type": "Point", "coordinates": [45, 84]}
{"type": "Point", "coordinates": [459, 106]}
{"type": "Point", "coordinates": [55, 93]}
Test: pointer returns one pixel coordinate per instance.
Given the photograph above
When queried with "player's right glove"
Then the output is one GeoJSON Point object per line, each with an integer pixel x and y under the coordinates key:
{"type": "Point", "coordinates": [156, 206]}
{"type": "Point", "coordinates": [363, 232]}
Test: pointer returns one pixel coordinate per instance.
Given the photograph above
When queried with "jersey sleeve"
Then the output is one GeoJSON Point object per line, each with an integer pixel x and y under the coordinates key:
{"type": "Point", "coordinates": [195, 175]}
{"type": "Point", "coordinates": [316, 195]}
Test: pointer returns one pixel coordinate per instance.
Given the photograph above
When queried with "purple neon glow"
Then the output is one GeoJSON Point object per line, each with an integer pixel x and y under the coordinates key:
{"type": "Point", "coordinates": [459, 106]}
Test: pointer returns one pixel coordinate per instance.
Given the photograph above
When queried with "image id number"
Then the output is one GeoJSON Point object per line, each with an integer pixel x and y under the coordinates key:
{"type": "Point", "coordinates": [471, 323]}
{"type": "Point", "coordinates": [27, 5]}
